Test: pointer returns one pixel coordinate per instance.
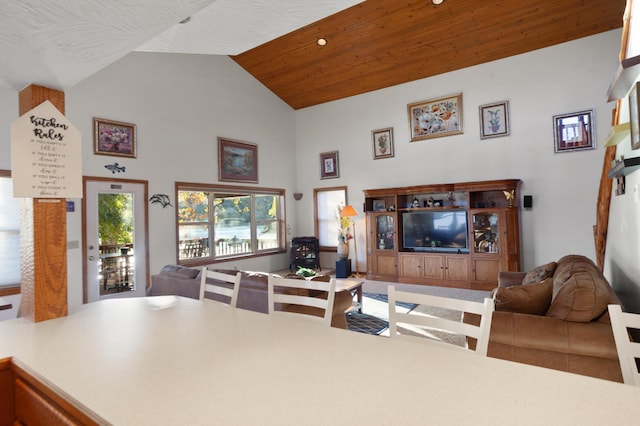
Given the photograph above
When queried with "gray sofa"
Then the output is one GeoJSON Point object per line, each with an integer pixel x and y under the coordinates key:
{"type": "Point", "coordinates": [184, 281]}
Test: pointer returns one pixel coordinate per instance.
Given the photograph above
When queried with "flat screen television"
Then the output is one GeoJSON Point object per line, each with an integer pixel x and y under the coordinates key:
{"type": "Point", "coordinates": [435, 230]}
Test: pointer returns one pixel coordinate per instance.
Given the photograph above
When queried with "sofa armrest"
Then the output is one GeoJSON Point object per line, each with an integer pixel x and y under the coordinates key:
{"type": "Point", "coordinates": [510, 278]}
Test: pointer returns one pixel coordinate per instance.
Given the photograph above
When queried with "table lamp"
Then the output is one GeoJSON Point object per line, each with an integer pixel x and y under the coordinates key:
{"type": "Point", "coordinates": [349, 211]}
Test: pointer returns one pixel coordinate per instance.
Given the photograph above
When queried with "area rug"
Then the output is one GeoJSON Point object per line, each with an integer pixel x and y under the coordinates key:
{"type": "Point", "coordinates": [375, 319]}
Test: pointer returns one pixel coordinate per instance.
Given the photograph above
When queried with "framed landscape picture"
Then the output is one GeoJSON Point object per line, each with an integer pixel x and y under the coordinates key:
{"type": "Point", "coordinates": [237, 161]}
{"type": "Point", "coordinates": [114, 138]}
{"type": "Point", "coordinates": [435, 118]}
{"type": "Point", "coordinates": [573, 132]}
{"type": "Point", "coordinates": [494, 120]}
{"type": "Point", "coordinates": [382, 143]}
{"type": "Point", "coordinates": [329, 165]}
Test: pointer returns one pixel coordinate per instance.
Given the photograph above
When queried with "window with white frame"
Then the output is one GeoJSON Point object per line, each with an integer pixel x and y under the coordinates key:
{"type": "Point", "coordinates": [326, 202]}
{"type": "Point", "coordinates": [9, 233]}
{"type": "Point", "coordinates": [226, 222]}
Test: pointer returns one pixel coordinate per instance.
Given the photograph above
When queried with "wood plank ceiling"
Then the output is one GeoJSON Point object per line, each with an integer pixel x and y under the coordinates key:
{"type": "Point", "coordinates": [381, 43]}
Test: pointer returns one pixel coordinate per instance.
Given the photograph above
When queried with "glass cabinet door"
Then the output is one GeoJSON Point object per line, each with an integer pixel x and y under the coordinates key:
{"type": "Point", "coordinates": [485, 232]}
{"type": "Point", "coordinates": [385, 232]}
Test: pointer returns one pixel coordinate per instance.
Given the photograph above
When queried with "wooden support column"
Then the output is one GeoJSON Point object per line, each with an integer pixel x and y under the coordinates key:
{"type": "Point", "coordinates": [43, 237]}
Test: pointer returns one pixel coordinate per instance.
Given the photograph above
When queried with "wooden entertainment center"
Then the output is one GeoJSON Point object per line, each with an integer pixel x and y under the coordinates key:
{"type": "Point", "coordinates": [453, 235]}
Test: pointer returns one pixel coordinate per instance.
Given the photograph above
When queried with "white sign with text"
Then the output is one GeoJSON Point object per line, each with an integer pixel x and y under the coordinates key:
{"type": "Point", "coordinates": [46, 155]}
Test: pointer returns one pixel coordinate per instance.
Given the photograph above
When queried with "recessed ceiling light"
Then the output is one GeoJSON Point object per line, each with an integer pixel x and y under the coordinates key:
{"type": "Point", "coordinates": [322, 41]}
{"type": "Point", "coordinates": [437, 1]}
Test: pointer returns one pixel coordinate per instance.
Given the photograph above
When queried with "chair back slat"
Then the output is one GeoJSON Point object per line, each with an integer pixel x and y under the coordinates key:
{"type": "Point", "coordinates": [293, 291]}
{"type": "Point", "coordinates": [480, 332]}
{"type": "Point", "coordinates": [628, 349]}
{"type": "Point", "coordinates": [206, 286]}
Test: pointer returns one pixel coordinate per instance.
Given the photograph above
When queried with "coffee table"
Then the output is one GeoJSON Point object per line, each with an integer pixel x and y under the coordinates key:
{"type": "Point", "coordinates": [352, 285]}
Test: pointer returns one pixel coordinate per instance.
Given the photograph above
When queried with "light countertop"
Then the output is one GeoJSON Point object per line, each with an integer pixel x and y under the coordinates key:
{"type": "Point", "coordinates": [172, 360]}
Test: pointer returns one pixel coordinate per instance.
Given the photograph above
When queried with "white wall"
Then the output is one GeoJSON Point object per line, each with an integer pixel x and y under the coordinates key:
{"type": "Point", "coordinates": [538, 85]}
{"type": "Point", "coordinates": [180, 104]}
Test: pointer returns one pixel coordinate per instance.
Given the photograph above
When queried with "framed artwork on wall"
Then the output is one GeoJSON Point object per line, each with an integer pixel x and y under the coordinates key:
{"type": "Point", "coordinates": [633, 116]}
{"type": "Point", "coordinates": [573, 132]}
{"type": "Point", "coordinates": [329, 165]}
{"type": "Point", "coordinates": [237, 161]}
{"type": "Point", "coordinates": [114, 138]}
{"type": "Point", "coordinates": [494, 120]}
{"type": "Point", "coordinates": [435, 118]}
{"type": "Point", "coordinates": [382, 143]}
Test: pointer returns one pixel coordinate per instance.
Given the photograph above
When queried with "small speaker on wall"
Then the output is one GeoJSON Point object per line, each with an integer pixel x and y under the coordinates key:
{"type": "Point", "coordinates": [528, 201]}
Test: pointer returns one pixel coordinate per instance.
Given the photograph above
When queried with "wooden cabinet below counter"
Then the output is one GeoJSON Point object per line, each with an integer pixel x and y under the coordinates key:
{"type": "Point", "coordinates": [24, 400]}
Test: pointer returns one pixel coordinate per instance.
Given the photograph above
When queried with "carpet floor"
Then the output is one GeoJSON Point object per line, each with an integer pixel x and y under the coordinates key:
{"type": "Point", "coordinates": [374, 318]}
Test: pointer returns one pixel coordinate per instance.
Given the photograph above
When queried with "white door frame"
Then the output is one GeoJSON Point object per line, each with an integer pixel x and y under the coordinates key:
{"type": "Point", "coordinates": [90, 242]}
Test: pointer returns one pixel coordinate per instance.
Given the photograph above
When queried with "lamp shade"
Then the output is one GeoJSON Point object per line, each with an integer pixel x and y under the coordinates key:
{"type": "Point", "coordinates": [348, 211]}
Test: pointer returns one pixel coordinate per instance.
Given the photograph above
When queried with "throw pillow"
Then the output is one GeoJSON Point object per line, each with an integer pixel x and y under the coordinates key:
{"type": "Point", "coordinates": [531, 299]}
{"type": "Point", "coordinates": [539, 273]}
{"type": "Point", "coordinates": [582, 298]}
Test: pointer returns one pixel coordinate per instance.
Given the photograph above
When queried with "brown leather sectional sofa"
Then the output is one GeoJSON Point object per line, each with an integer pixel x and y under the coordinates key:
{"type": "Point", "coordinates": [556, 317]}
{"type": "Point", "coordinates": [183, 281]}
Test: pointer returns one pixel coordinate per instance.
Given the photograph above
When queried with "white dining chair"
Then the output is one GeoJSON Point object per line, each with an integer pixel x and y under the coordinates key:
{"type": "Point", "coordinates": [628, 350]}
{"type": "Point", "coordinates": [479, 332]}
{"type": "Point", "coordinates": [297, 294]}
{"type": "Point", "coordinates": [212, 287]}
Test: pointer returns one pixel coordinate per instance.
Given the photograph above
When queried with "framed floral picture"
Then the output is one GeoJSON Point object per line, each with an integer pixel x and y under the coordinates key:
{"type": "Point", "coordinates": [114, 138]}
{"type": "Point", "coordinates": [435, 118]}
{"type": "Point", "coordinates": [329, 165]}
{"type": "Point", "coordinates": [494, 120]}
{"type": "Point", "coordinates": [382, 143]}
{"type": "Point", "coordinates": [237, 161]}
{"type": "Point", "coordinates": [573, 132]}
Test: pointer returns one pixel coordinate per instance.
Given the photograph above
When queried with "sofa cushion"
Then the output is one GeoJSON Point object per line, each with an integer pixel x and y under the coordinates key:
{"type": "Point", "coordinates": [582, 297]}
{"type": "Point", "coordinates": [177, 271]}
{"type": "Point", "coordinates": [539, 273]}
{"type": "Point", "coordinates": [526, 299]}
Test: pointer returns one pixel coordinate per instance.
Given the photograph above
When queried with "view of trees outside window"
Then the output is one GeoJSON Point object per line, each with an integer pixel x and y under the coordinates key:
{"type": "Point", "coordinates": [237, 224]}
{"type": "Point", "coordinates": [115, 213]}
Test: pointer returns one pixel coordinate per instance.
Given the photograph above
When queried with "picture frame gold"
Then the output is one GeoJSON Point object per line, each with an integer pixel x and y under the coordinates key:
{"type": "Point", "coordinates": [435, 118]}
{"type": "Point", "coordinates": [114, 138]}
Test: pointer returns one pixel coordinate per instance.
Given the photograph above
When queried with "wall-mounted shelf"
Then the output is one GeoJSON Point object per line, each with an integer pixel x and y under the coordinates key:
{"type": "Point", "coordinates": [617, 134]}
{"type": "Point", "coordinates": [626, 75]}
{"type": "Point", "coordinates": [624, 167]}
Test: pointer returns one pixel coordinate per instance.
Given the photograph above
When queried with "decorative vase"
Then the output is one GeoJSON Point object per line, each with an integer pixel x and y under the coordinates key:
{"type": "Point", "coordinates": [343, 250]}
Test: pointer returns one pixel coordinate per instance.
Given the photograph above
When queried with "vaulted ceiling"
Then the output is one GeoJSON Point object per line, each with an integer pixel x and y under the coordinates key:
{"type": "Point", "coordinates": [370, 45]}
{"type": "Point", "coordinates": [381, 43]}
